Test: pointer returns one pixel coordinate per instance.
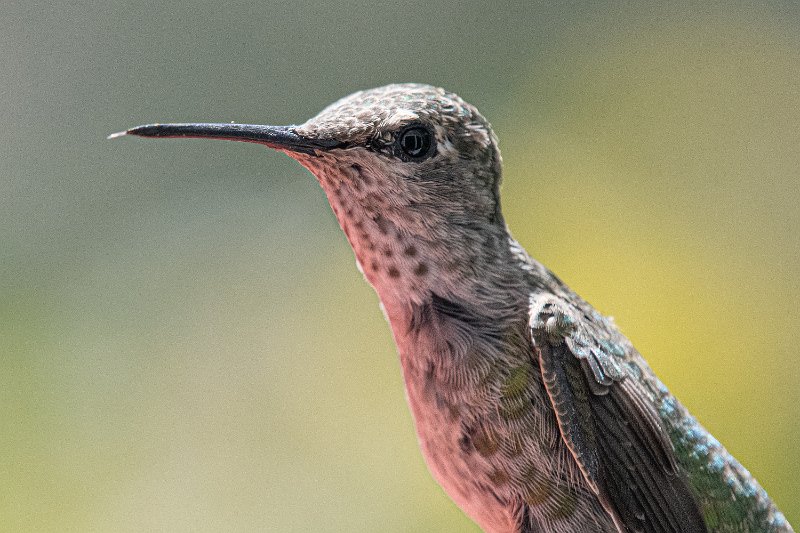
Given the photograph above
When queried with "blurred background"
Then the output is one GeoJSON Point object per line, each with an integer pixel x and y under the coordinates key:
{"type": "Point", "coordinates": [185, 342]}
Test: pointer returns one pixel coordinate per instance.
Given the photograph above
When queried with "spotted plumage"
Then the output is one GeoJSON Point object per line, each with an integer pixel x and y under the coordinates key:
{"type": "Point", "coordinates": [532, 410]}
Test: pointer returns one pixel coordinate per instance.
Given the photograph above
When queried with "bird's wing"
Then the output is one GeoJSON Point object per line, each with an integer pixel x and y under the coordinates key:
{"type": "Point", "coordinates": [607, 419]}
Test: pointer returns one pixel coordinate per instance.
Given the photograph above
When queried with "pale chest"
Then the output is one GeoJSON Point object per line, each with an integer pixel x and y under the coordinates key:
{"type": "Point", "coordinates": [487, 431]}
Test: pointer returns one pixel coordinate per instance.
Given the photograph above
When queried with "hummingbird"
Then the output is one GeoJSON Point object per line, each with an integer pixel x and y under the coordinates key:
{"type": "Point", "coordinates": [532, 410]}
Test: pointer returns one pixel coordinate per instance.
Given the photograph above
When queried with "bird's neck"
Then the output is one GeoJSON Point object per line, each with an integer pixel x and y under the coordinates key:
{"type": "Point", "coordinates": [410, 265]}
{"type": "Point", "coordinates": [413, 253]}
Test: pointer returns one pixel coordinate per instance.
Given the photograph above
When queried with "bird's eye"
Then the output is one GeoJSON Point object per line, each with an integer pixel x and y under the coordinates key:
{"type": "Point", "coordinates": [416, 142]}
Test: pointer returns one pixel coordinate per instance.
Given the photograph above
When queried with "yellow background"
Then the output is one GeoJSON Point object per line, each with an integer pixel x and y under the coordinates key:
{"type": "Point", "coordinates": [185, 343]}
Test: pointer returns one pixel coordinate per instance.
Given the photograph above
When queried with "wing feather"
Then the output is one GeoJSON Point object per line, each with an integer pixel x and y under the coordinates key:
{"type": "Point", "coordinates": [608, 422]}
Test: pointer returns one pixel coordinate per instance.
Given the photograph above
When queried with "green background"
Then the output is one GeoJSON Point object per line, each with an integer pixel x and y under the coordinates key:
{"type": "Point", "coordinates": [185, 343]}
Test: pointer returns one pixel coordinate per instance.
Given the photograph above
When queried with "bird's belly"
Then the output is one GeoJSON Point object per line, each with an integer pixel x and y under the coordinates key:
{"type": "Point", "coordinates": [464, 475]}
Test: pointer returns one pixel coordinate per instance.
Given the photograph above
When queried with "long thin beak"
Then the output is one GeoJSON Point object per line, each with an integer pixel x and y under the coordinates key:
{"type": "Point", "coordinates": [278, 137]}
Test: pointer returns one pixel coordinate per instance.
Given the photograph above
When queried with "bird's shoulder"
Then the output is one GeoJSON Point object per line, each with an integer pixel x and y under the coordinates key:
{"type": "Point", "coordinates": [592, 338]}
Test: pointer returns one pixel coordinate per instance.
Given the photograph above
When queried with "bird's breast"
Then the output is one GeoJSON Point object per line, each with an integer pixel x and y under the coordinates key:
{"type": "Point", "coordinates": [486, 429]}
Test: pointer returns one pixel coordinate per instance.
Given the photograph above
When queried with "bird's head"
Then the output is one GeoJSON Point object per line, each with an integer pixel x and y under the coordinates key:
{"type": "Point", "coordinates": [410, 170]}
{"type": "Point", "coordinates": [410, 146]}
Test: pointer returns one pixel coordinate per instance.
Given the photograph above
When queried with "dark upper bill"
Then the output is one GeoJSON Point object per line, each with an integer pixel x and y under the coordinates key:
{"type": "Point", "coordinates": [278, 137]}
